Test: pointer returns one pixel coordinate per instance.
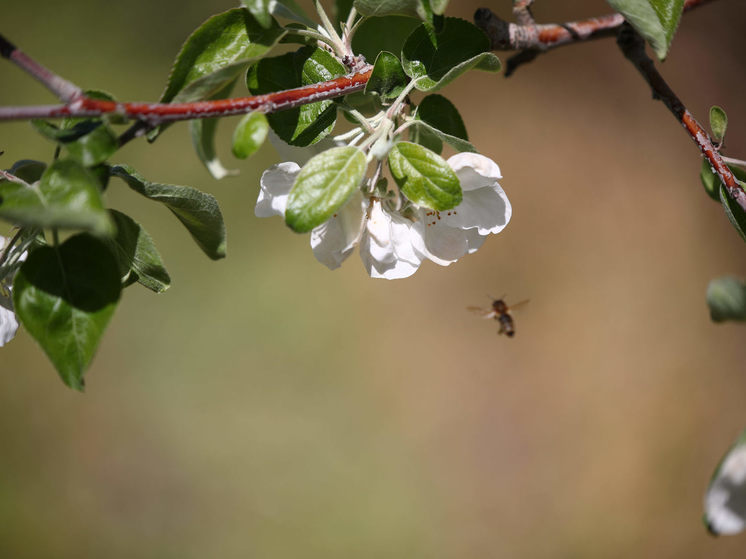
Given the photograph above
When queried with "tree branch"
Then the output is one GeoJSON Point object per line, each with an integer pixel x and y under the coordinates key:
{"type": "Point", "coordinates": [633, 47]}
{"type": "Point", "coordinates": [532, 39]}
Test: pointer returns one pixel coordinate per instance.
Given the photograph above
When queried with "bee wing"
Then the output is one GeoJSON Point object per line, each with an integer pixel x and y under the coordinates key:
{"type": "Point", "coordinates": [486, 313]}
{"type": "Point", "coordinates": [512, 307]}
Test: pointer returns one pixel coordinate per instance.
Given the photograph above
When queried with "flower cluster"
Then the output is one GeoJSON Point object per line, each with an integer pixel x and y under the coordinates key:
{"type": "Point", "coordinates": [395, 237]}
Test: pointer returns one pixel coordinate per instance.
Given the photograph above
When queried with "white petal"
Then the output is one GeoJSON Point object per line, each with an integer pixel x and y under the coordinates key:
{"type": "Point", "coordinates": [443, 244]}
{"type": "Point", "coordinates": [725, 501]}
{"type": "Point", "coordinates": [8, 324]}
{"type": "Point", "coordinates": [407, 240]}
{"type": "Point", "coordinates": [385, 245]}
{"type": "Point", "coordinates": [276, 183]}
{"type": "Point", "coordinates": [486, 209]}
{"type": "Point", "coordinates": [334, 240]}
{"type": "Point", "coordinates": [474, 170]}
{"type": "Point", "coordinates": [474, 240]}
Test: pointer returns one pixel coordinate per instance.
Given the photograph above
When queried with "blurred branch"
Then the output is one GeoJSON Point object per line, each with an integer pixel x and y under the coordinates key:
{"type": "Point", "coordinates": [633, 47]}
{"type": "Point", "coordinates": [63, 89]}
{"type": "Point", "coordinates": [532, 39]}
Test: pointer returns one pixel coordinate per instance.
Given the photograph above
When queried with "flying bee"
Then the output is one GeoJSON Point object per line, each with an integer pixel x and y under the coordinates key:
{"type": "Point", "coordinates": [500, 311]}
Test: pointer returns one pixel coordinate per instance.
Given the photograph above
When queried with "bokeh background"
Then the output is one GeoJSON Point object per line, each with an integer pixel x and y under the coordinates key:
{"type": "Point", "coordinates": [267, 407]}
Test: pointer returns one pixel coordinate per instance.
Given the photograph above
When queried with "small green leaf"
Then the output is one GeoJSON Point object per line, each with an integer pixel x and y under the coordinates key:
{"type": "Point", "coordinates": [718, 123]}
{"type": "Point", "coordinates": [250, 134]}
{"type": "Point", "coordinates": [726, 298]}
{"type": "Point", "coordinates": [412, 8]}
{"type": "Point", "coordinates": [424, 177]}
{"type": "Point", "coordinates": [378, 34]}
{"type": "Point", "coordinates": [260, 10]}
{"type": "Point", "coordinates": [436, 58]}
{"type": "Point", "coordinates": [323, 186]}
{"type": "Point", "coordinates": [307, 124]}
{"type": "Point", "coordinates": [655, 20]}
{"type": "Point", "coordinates": [202, 131]}
{"type": "Point", "coordinates": [289, 9]}
{"type": "Point", "coordinates": [216, 53]}
{"type": "Point", "coordinates": [65, 296]}
{"type": "Point", "coordinates": [388, 78]}
{"type": "Point", "coordinates": [67, 196]}
{"type": "Point", "coordinates": [136, 254]}
{"type": "Point", "coordinates": [89, 141]}
{"type": "Point", "coordinates": [197, 211]}
{"type": "Point", "coordinates": [710, 180]}
{"type": "Point", "coordinates": [736, 214]}
{"type": "Point", "coordinates": [439, 120]}
{"type": "Point", "coordinates": [27, 170]}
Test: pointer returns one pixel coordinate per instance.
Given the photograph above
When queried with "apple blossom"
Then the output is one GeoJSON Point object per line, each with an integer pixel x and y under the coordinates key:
{"type": "Point", "coordinates": [725, 501]}
{"type": "Point", "coordinates": [395, 240]}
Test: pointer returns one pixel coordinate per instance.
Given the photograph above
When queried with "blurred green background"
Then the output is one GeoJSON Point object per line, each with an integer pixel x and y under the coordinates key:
{"type": "Point", "coordinates": [267, 407]}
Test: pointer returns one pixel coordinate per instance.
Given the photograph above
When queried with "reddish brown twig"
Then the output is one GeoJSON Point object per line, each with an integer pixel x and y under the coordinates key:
{"type": "Point", "coordinates": [79, 105]}
{"type": "Point", "coordinates": [633, 47]}
{"type": "Point", "coordinates": [533, 40]}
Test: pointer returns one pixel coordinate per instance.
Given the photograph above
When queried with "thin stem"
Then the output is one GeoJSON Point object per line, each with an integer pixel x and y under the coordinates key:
{"type": "Point", "coordinates": [153, 114]}
{"type": "Point", "coordinates": [349, 24]}
{"type": "Point", "coordinates": [733, 161]}
{"type": "Point", "coordinates": [337, 44]}
{"type": "Point", "coordinates": [532, 39]}
{"type": "Point", "coordinates": [319, 37]}
{"type": "Point", "coordinates": [632, 46]}
{"type": "Point", "coordinates": [63, 89]}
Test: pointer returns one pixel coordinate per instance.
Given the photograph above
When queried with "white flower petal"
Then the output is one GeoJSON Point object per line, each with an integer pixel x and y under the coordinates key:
{"type": "Point", "coordinates": [473, 240]}
{"type": "Point", "coordinates": [8, 324]}
{"type": "Point", "coordinates": [276, 183]}
{"type": "Point", "coordinates": [333, 241]}
{"type": "Point", "coordinates": [444, 244]}
{"type": "Point", "coordinates": [725, 501]}
{"type": "Point", "coordinates": [386, 247]}
{"type": "Point", "coordinates": [486, 209]}
{"type": "Point", "coordinates": [474, 170]}
{"type": "Point", "coordinates": [407, 240]}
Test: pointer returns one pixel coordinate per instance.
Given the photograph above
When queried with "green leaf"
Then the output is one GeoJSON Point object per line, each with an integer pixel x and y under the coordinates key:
{"type": "Point", "coordinates": [260, 10]}
{"type": "Point", "coordinates": [136, 254]}
{"type": "Point", "coordinates": [718, 123]}
{"type": "Point", "coordinates": [436, 58]}
{"type": "Point", "coordinates": [289, 9]}
{"type": "Point", "coordinates": [377, 34]}
{"type": "Point", "coordinates": [202, 131]}
{"type": "Point", "coordinates": [441, 121]}
{"type": "Point", "coordinates": [424, 177]}
{"type": "Point", "coordinates": [710, 180]}
{"type": "Point", "coordinates": [89, 141]}
{"type": "Point", "coordinates": [323, 185]}
{"type": "Point", "coordinates": [307, 124]}
{"type": "Point", "coordinates": [28, 170]}
{"type": "Point", "coordinates": [736, 214]}
{"type": "Point", "coordinates": [67, 196]}
{"type": "Point", "coordinates": [412, 8]}
{"type": "Point", "coordinates": [726, 298]}
{"type": "Point", "coordinates": [250, 134]}
{"type": "Point", "coordinates": [388, 78]}
{"type": "Point", "coordinates": [197, 211]}
{"type": "Point", "coordinates": [216, 53]}
{"type": "Point", "coordinates": [65, 296]}
{"type": "Point", "coordinates": [655, 20]}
